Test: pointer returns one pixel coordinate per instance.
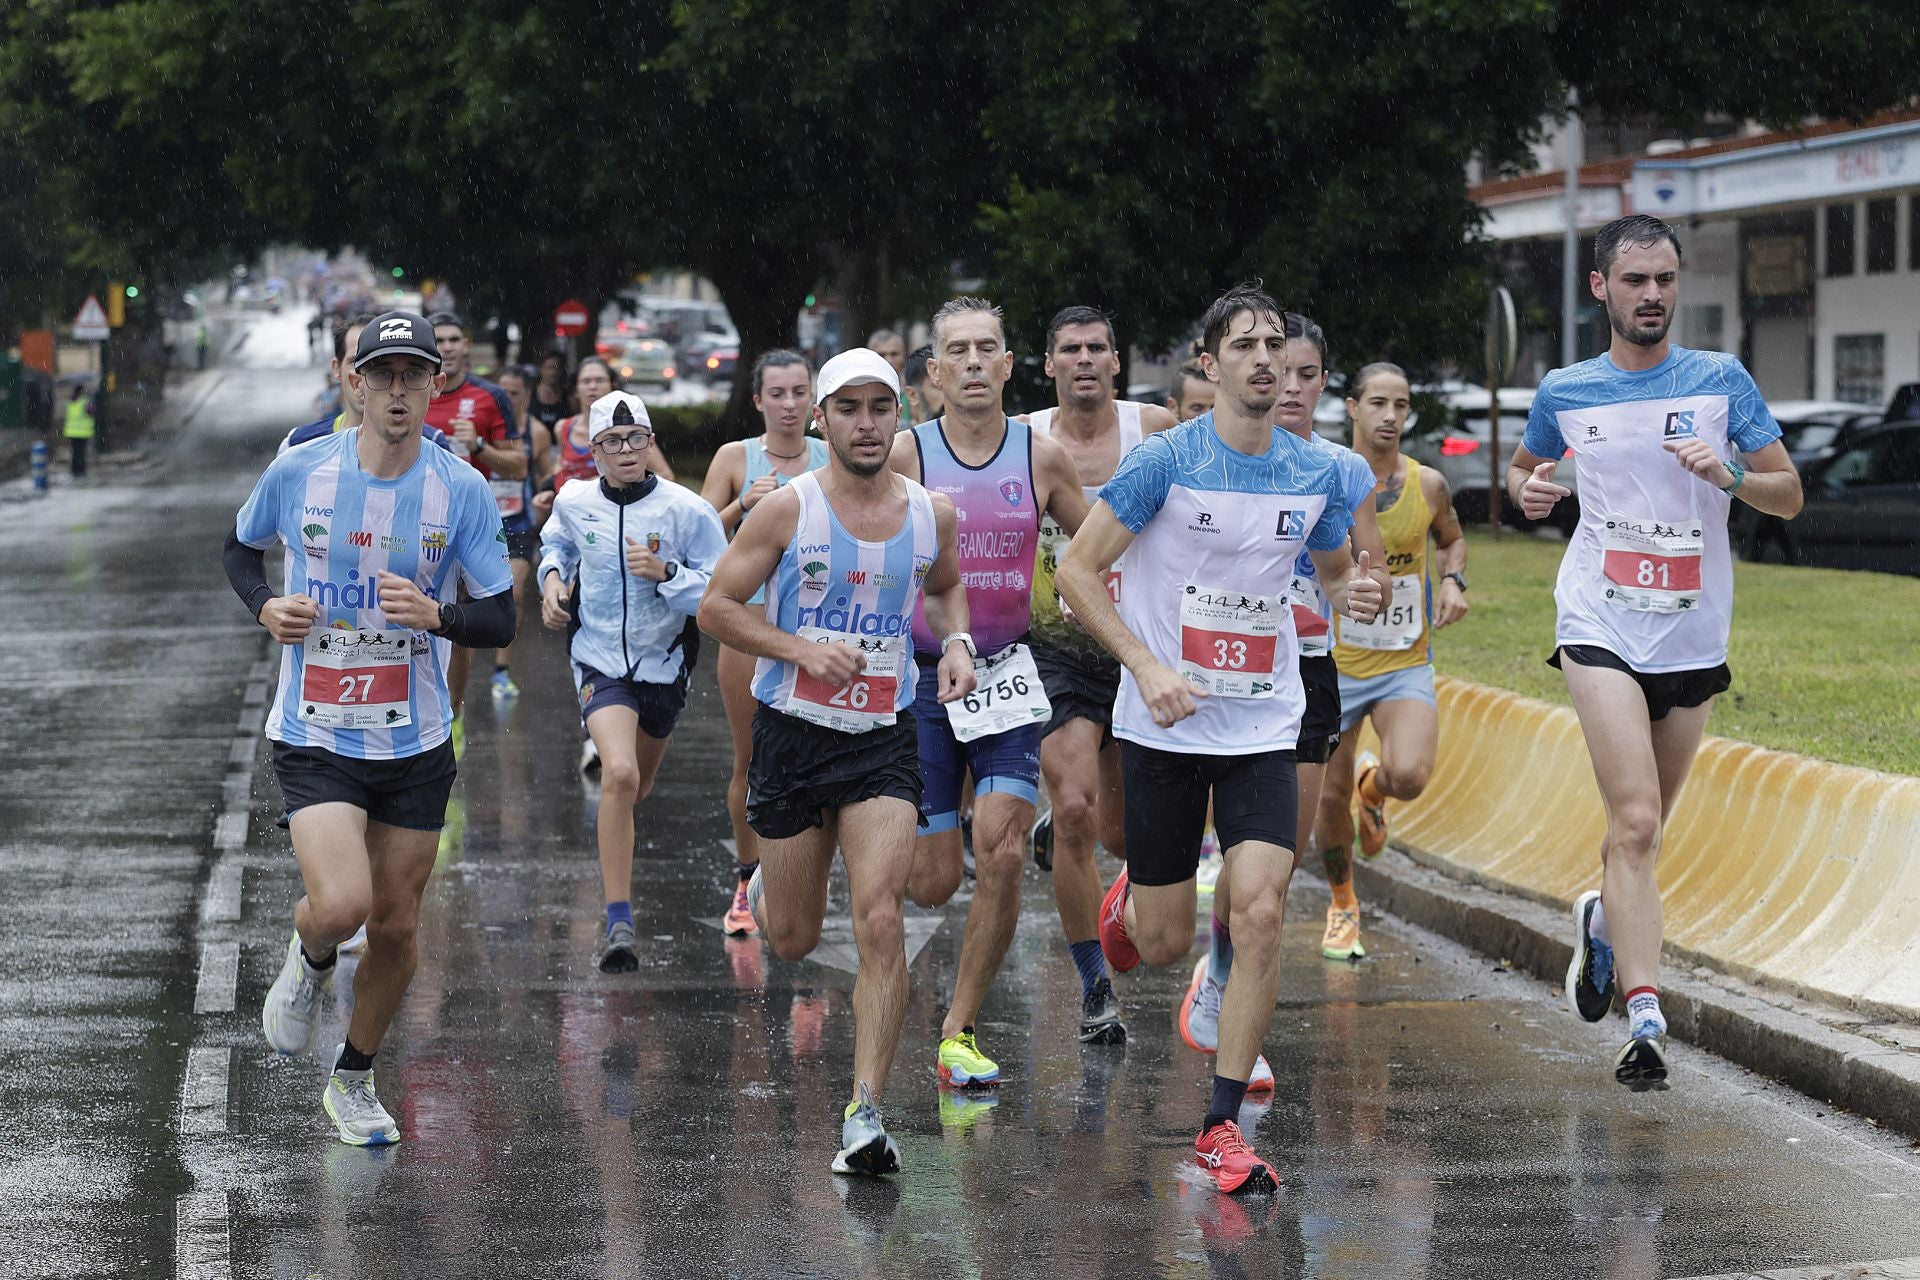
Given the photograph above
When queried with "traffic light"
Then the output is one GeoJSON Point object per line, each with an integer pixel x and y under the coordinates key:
{"type": "Point", "coordinates": [133, 291]}
{"type": "Point", "coordinates": [398, 272]}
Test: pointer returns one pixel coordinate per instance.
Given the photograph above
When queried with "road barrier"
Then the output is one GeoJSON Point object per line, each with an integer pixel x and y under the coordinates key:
{"type": "Point", "coordinates": [1791, 873]}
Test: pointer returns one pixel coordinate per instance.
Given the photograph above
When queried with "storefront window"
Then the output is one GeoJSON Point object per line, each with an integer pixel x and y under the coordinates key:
{"type": "Point", "coordinates": [1860, 367]}
{"type": "Point", "coordinates": [1882, 218]}
{"type": "Point", "coordinates": [1839, 239]}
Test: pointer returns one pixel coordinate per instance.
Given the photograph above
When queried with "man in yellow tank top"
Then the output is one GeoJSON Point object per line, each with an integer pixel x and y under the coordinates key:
{"type": "Point", "coordinates": [1386, 666]}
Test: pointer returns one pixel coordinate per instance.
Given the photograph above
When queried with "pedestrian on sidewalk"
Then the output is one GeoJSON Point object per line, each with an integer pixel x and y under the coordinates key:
{"type": "Point", "coordinates": [78, 429]}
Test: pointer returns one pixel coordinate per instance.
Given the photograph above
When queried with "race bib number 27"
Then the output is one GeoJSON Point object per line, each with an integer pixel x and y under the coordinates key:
{"type": "Point", "coordinates": [360, 679]}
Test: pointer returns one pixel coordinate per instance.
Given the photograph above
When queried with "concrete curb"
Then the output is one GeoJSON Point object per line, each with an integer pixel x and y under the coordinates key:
{"type": "Point", "coordinates": [1816, 1049]}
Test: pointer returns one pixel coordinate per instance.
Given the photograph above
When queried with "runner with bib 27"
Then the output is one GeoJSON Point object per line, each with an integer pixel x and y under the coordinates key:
{"type": "Point", "coordinates": [1645, 594]}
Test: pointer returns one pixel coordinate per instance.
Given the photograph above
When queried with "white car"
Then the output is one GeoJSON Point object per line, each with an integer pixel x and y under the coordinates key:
{"type": "Point", "coordinates": [1465, 453]}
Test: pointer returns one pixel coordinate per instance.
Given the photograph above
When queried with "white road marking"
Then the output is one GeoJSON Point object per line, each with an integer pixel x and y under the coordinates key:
{"type": "Point", "coordinates": [242, 751]}
{"type": "Point", "coordinates": [219, 974]}
{"type": "Point", "coordinates": [837, 949]}
{"type": "Point", "coordinates": [223, 891]}
{"type": "Point", "coordinates": [202, 1238]}
{"type": "Point", "coordinates": [230, 831]}
{"type": "Point", "coordinates": [1890, 1269]}
{"type": "Point", "coordinates": [203, 1091]}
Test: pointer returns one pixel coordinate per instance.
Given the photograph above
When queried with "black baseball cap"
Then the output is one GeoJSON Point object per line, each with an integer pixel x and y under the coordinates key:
{"type": "Point", "coordinates": [397, 333]}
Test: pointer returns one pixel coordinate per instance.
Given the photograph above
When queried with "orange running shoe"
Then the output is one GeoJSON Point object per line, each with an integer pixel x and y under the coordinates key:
{"type": "Point", "coordinates": [1373, 814]}
{"type": "Point", "coordinates": [1230, 1162]}
{"type": "Point", "coordinates": [1122, 955]}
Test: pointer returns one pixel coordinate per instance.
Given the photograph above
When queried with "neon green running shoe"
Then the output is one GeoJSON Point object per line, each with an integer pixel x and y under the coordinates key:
{"type": "Point", "coordinates": [962, 1063]}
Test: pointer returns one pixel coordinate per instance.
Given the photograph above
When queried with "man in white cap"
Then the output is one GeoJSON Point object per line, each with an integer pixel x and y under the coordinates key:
{"type": "Point", "coordinates": [624, 561]}
{"type": "Point", "coordinates": [845, 553]}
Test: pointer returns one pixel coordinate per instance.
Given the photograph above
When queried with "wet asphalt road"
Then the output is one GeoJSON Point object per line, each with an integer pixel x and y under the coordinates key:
{"type": "Point", "coordinates": [1435, 1116]}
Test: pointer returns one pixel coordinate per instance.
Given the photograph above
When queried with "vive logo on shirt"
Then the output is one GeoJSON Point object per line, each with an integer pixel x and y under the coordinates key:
{"type": "Point", "coordinates": [1292, 525]}
{"type": "Point", "coordinates": [1679, 425]}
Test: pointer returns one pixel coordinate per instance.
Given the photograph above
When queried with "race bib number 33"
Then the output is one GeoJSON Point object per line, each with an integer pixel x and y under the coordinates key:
{"type": "Point", "coordinates": [1229, 641]}
{"type": "Point", "coordinates": [1652, 566]}
{"type": "Point", "coordinates": [361, 679]}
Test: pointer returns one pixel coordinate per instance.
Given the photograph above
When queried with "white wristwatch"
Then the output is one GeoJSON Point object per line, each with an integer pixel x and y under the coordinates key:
{"type": "Point", "coordinates": [964, 639]}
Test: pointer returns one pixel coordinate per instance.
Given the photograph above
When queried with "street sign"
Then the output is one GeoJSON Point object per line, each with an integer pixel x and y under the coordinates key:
{"type": "Point", "coordinates": [1502, 335]}
{"type": "Point", "coordinates": [91, 324]}
{"type": "Point", "coordinates": [570, 318]}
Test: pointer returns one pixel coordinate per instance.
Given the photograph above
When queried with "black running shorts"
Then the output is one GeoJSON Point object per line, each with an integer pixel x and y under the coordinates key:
{"type": "Point", "coordinates": [1320, 723]}
{"type": "Point", "coordinates": [1664, 690]}
{"type": "Point", "coordinates": [523, 545]}
{"type": "Point", "coordinates": [1080, 687]}
{"type": "Point", "coordinates": [1255, 797]}
{"type": "Point", "coordinates": [410, 793]}
{"type": "Point", "coordinates": [800, 770]}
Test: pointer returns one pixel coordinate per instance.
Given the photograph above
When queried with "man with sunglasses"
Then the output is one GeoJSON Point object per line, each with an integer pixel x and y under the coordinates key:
{"type": "Point", "coordinates": [624, 562]}
{"type": "Point", "coordinates": [375, 527]}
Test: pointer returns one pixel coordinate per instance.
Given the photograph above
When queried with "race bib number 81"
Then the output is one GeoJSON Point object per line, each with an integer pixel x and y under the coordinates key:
{"type": "Point", "coordinates": [1652, 566]}
{"type": "Point", "coordinates": [357, 679]}
{"type": "Point", "coordinates": [1229, 641]}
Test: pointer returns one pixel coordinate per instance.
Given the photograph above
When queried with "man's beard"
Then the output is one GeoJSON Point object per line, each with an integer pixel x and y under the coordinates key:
{"type": "Point", "coordinates": [1639, 337]}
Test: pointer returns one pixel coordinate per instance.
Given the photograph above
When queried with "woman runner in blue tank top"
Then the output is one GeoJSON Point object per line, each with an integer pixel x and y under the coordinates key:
{"type": "Point", "coordinates": [742, 473]}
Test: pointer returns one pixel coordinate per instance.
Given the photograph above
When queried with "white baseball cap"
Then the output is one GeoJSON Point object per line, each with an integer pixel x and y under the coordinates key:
{"type": "Point", "coordinates": [851, 368]}
{"type": "Point", "coordinates": [616, 409]}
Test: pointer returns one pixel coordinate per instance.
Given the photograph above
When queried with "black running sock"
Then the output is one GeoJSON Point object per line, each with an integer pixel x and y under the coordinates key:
{"type": "Point", "coordinates": [1227, 1097]}
{"type": "Point", "coordinates": [745, 870]}
{"type": "Point", "coordinates": [351, 1059]}
{"type": "Point", "coordinates": [318, 964]}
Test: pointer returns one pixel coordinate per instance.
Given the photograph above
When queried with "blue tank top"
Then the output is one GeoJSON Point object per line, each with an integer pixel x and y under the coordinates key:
{"type": "Point", "coordinates": [830, 581]}
{"type": "Point", "coordinates": [759, 464]}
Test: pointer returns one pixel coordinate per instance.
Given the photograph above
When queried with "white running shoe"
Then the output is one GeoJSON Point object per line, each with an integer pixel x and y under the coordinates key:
{"type": "Point", "coordinates": [589, 759]}
{"type": "Point", "coordinates": [293, 1002]}
{"type": "Point", "coordinates": [356, 944]}
{"type": "Point", "coordinates": [356, 1112]}
{"type": "Point", "coordinates": [1261, 1080]}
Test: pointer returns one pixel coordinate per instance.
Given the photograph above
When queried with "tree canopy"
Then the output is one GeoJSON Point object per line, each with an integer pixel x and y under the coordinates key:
{"type": "Point", "coordinates": [1132, 154]}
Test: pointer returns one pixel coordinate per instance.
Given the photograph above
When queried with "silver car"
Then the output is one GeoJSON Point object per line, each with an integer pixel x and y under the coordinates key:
{"type": "Point", "coordinates": [1464, 453]}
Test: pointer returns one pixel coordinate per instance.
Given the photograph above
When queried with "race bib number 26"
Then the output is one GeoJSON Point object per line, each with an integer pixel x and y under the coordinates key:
{"type": "Point", "coordinates": [1229, 641]}
{"type": "Point", "coordinates": [864, 702]}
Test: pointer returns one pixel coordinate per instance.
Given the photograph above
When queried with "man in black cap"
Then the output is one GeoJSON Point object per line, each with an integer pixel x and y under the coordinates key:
{"type": "Point", "coordinates": [375, 529]}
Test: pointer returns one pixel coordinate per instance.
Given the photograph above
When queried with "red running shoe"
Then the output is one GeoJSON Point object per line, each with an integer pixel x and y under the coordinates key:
{"type": "Point", "coordinates": [1230, 1162]}
{"type": "Point", "coordinates": [1122, 955]}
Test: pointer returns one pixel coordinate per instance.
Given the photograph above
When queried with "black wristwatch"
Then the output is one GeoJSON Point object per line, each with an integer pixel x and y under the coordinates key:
{"type": "Point", "coordinates": [447, 615]}
{"type": "Point", "coordinates": [673, 567]}
{"type": "Point", "coordinates": [1459, 579]}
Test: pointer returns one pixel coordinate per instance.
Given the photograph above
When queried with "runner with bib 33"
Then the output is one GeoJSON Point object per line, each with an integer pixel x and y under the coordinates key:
{"type": "Point", "coordinates": [1645, 593]}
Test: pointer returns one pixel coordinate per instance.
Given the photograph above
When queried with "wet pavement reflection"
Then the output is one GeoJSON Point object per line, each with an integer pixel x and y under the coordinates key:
{"type": "Point", "coordinates": [1434, 1115]}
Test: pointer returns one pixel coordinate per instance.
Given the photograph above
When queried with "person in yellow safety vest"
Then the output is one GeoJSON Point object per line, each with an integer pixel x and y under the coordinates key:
{"type": "Point", "coordinates": [78, 429]}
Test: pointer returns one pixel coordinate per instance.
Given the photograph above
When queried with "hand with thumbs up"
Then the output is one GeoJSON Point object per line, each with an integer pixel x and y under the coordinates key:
{"type": "Point", "coordinates": [1365, 594]}
{"type": "Point", "coordinates": [1539, 492]}
{"type": "Point", "coordinates": [642, 563]}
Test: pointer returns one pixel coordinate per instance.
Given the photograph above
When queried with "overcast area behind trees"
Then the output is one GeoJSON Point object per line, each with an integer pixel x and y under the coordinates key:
{"type": "Point", "coordinates": [1132, 154]}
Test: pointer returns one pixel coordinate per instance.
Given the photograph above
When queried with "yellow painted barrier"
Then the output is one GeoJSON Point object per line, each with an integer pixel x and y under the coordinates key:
{"type": "Point", "coordinates": [1785, 871]}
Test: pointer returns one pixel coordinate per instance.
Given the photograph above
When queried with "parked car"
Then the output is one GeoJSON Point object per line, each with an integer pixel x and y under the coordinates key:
{"type": "Point", "coordinates": [1817, 428]}
{"type": "Point", "coordinates": [648, 360]}
{"type": "Point", "coordinates": [696, 351]}
{"type": "Point", "coordinates": [1462, 451]}
{"type": "Point", "coordinates": [720, 363]}
{"type": "Point", "coordinates": [1862, 509]}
